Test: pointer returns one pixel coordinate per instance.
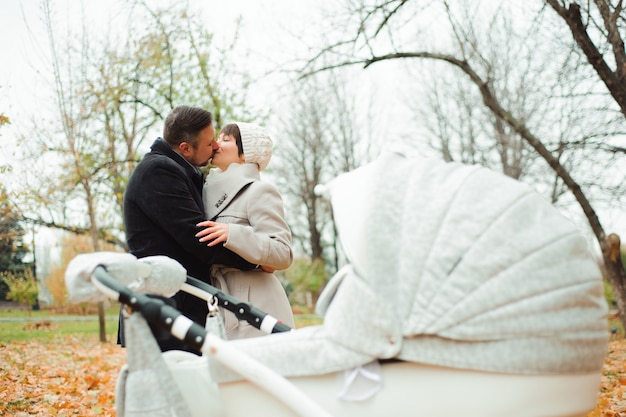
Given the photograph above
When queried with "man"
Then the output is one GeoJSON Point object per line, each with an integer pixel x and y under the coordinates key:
{"type": "Point", "coordinates": [163, 204]}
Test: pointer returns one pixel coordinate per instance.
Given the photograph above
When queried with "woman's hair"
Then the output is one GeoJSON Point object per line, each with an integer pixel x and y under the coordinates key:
{"type": "Point", "coordinates": [184, 124]}
{"type": "Point", "coordinates": [233, 130]}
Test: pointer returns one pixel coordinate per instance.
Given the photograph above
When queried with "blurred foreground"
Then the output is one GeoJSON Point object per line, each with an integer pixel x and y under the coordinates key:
{"type": "Point", "coordinates": [76, 375]}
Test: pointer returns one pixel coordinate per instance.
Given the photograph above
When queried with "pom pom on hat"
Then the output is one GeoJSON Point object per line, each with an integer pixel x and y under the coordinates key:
{"type": "Point", "coordinates": [257, 144]}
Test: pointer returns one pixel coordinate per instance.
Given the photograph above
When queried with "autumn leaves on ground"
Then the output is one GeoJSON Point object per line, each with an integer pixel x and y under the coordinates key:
{"type": "Point", "coordinates": [70, 376]}
{"type": "Point", "coordinates": [76, 376]}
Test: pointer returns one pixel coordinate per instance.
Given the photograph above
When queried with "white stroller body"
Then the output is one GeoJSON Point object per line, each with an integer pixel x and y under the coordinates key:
{"type": "Point", "coordinates": [467, 294]}
{"type": "Point", "coordinates": [177, 383]}
{"type": "Point", "coordinates": [412, 389]}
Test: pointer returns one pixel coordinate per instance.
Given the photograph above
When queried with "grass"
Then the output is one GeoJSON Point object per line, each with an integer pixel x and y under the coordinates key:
{"type": "Point", "coordinates": [45, 325]}
{"type": "Point", "coordinates": [46, 331]}
{"type": "Point", "coordinates": [38, 326]}
{"type": "Point", "coordinates": [112, 310]}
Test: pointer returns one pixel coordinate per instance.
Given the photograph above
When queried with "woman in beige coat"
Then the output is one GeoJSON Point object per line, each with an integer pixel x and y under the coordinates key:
{"type": "Point", "coordinates": [247, 216]}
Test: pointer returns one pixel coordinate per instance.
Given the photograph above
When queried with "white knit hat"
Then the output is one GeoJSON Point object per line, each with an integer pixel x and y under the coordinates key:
{"type": "Point", "coordinates": [257, 144]}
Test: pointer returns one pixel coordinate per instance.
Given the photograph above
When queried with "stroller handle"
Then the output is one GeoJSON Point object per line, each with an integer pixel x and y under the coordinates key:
{"type": "Point", "coordinates": [244, 311]}
{"type": "Point", "coordinates": [158, 312]}
{"type": "Point", "coordinates": [152, 309]}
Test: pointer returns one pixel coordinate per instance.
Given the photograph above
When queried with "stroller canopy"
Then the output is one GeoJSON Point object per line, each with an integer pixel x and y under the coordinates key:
{"type": "Point", "coordinates": [450, 265]}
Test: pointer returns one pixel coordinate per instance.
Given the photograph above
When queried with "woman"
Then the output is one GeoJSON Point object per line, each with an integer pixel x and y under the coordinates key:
{"type": "Point", "coordinates": [247, 216]}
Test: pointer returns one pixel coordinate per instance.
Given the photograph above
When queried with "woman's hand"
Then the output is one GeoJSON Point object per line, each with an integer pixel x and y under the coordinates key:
{"type": "Point", "coordinates": [213, 232]}
{"type": "Point", "coordinates": [216, 233]}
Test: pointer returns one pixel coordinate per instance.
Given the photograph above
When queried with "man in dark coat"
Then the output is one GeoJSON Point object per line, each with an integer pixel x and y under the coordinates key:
{"type": "Point", "coordinates": [163, 204]}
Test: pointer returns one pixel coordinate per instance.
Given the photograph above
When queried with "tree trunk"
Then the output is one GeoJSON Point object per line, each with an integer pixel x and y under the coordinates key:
{"type": "Point", "coordinates": [96, 248]}
{"type": "Point", "coordinates": [615, 272]}
{"type": "Point", "coordinates": [101, 318]}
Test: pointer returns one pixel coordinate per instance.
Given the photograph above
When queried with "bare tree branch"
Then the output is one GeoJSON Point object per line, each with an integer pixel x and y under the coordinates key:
{"type": "Point", "coordinates": [613, 82]}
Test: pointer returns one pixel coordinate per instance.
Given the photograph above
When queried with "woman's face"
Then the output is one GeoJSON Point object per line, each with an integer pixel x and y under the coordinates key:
{"type": "Point", "coordinates": [227, 153]}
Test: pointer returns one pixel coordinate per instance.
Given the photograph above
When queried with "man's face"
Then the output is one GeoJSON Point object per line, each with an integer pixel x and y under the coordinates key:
{"type": "Point", "coordinates": [204, 151]}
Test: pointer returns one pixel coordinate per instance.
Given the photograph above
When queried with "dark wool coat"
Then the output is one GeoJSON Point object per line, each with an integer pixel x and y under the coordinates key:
{"type": "Point", "coordinates": [162, 205]}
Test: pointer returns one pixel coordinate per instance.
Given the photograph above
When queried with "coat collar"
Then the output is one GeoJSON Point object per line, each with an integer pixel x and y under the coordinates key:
{"type": "Point", "coordinates": [221, 187]}
{"type": "Point", "coordinates": [159, 146]}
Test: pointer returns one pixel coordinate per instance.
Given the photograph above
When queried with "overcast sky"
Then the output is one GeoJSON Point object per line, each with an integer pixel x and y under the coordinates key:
{"type": "Point", "coordinates": [269, 29]}
{"type": "Point", "coordinates": [265, 28]}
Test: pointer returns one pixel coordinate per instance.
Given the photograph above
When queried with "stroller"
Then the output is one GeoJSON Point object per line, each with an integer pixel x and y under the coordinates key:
{"type": "Point", "coordinates": [437, 314]}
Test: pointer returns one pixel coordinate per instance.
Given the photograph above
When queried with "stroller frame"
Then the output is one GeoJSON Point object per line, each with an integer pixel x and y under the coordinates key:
{"type": "Point", "coordinates": [479, 394]}
{"type": "Point", "coordinates": [170, 319]}
{"type": "Point", "coordinates": [157, 312]}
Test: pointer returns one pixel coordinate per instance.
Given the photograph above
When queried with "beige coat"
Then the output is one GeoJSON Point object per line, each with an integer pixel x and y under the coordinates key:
{"type": "Point", "coordinates": [258, 233]}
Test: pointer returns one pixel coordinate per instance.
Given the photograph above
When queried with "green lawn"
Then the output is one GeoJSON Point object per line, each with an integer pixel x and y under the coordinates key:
{"type": "Point", "coordinates": [44, 325]}
{"type": "Point", "coordinates": [45, 331]}
{"type": "Point", "coordinates": [37, 327]}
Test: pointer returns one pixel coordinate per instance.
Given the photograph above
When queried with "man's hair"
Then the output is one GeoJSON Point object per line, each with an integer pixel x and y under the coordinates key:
{"type": "Point", "coordinates": [232, 129]}
{"type": "Point", "coordinates": [184, 124]}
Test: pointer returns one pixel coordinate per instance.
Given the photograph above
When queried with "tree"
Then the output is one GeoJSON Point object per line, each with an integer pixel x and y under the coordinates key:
{"type": "Point", "coordinates": [22, 287]}
{"type": "Point", "coordinates": [321, 141]}
{"type": "Point", "coordinates": [71, 245]}
{"type": "Point", "coordinates": [446, 104]}
{"type": "Point", "coordinates": [599, 33]}
{"type": "Point", "coordinates": [113, 94]}
{"type": "Point", "coordinates": [398, 30]}
{"type": "Point", "coordinates": [604, 23]}
{"type": "Point", "coordinates": [305, 157]}
{"type": "Point", "coordinates": [13, 249]}
{"type": "Point", "coordinates": [306, 279]}
{"type": "Point", "coordinates": [107, 99]}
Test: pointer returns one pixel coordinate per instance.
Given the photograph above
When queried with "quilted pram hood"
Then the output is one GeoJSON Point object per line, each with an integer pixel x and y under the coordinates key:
{"type": "Point", "coordinates": [451, 265]}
